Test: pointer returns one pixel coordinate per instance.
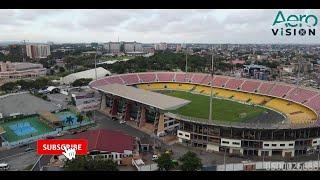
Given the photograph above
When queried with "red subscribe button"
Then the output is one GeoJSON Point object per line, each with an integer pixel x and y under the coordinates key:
{"type": "Point", "coordinates": [57, 146]}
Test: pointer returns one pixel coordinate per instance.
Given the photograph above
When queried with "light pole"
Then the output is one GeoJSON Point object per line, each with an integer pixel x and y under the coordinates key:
{"type": "Point", "coordinates": [224, 159]}
{"type": "Point", "coordinates": [211, 82]}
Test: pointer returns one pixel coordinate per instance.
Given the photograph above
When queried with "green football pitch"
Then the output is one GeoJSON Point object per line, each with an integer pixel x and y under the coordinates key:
{"type": "Point", "coordinates": [222, 110]}
{"type": "Point", "coordinates": [34, 121]}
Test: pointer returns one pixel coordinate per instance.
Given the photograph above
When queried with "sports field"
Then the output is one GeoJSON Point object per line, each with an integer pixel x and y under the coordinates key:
{"type": "Point", "coordinates": [223, 110]}
{"type": "Point", "coordinates": [24, 128]}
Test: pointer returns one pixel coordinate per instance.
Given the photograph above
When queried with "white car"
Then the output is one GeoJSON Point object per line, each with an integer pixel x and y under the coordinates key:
{"type": "Point", "coordinates": [59, 135]}
{"type": "Point", "coordinates": [155, 157]}
{"type": "Point", "coordinates": [123, 122]}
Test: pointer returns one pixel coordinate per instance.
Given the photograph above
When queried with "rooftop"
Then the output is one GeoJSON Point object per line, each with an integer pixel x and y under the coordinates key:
{"type": "Point", "coordinates": [106, 140]}
{"type": "Point", "coordinates": [149, 98]}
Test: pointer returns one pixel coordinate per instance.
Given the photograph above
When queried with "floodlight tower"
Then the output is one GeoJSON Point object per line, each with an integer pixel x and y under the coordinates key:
{"type": "Point", "coordinates": [211, 90]}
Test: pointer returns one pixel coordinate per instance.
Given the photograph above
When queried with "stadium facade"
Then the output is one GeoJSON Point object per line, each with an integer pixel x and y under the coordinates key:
{"type": "Point", "coordinates": [298, 134]}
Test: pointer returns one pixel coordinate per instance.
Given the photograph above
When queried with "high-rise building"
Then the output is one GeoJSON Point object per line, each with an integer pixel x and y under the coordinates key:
{"type": "Point", "coordinates": [178, 48]}
{"type": "Point", "coordinates": [112, 47]}
{"type": "Point", "coordinates": [38, 51]}
{"type": "Point", "coordinates": [132, 47]}
{"type": "Point", "coordinates": [161, 46]}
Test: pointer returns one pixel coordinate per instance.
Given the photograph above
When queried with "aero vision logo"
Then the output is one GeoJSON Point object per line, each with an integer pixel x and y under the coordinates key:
{"type": "Point", "coordinates": [294, 25]}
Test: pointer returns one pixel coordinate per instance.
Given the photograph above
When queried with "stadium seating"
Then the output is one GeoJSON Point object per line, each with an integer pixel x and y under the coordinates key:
{"type": "Point", "coordinates": [234, 83]}
{"type": "Point", "coordinates": [219, 81]}
{"type": "Point", "coordinates": [301, 95]}
{"type": "Point", "coordinates": [250, 86]}
{"type": "Point", "coordinates": [314, 103]}
{"type": "Point", "coordinates": [296, 113]}
{"type": "Point", "coordinates": [115, 79]}
{"type": "Point", "coordinates": [147, 77]}
{"type": "Point", "coordinates": [181, 77]}
{"type": "Point", "coordinates": [265, 88]}
{"type": "Point", "coordinates": [130, 79]}
{"type": "Point", "coordinates": [279, 90]}
{"type": "Point", "coordinates": [197, 78]}
{"type": "Point", "coordinates": [165, 77]}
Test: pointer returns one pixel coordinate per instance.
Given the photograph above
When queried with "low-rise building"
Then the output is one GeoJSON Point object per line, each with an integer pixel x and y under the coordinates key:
{"type": "Point", "coordinates": [109, 144]}
{"type": "Point", "coordinates": [10, 70]}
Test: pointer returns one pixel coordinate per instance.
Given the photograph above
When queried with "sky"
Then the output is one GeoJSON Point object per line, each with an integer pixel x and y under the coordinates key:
{"type": "Point", "coordinates": [147, 26]}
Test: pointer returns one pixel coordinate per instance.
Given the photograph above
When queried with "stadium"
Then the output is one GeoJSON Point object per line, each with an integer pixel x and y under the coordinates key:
{"type": "Point", "coordinates": [249, 117]}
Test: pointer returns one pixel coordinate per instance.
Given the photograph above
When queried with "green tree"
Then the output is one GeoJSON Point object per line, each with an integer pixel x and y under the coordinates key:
{"type": "Point", "coordinates": [80, 118]}
{"type": "Point", "coordinates": [81, 82]}
{"type": "Point", "coordinates": [165, 162]}
{"type": "Point", "coordinates": [190, 162]}
{"type": "Point", "coordinates": [8, 87]}
{"type": "Point", "coordinates": [83, 163]}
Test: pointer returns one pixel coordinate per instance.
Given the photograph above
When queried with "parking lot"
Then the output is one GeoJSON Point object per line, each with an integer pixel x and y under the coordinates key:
{"type": "Point", "coordinates": [25, 103]}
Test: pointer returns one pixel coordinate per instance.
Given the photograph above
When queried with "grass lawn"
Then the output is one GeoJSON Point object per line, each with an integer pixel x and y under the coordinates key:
{"type": "Point", "coordinates": [11, 136]}
{"type": "Point", "coordinates": [223, 110]}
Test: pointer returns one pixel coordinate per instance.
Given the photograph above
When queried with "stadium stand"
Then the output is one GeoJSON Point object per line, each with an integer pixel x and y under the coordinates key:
{"type": "Point", "coordinates": [115, 79]}
{"type": "Point", "coordinates": [165, 77]}
{"type": "Point", "coordinates": [181, 77]}
{"type": "Point", "coordinates": [234, 83]}
{"type": "Point", "coordinates": [197, 78]}
{"type": "Point", "coordinates": [301, 95]}
{"type": "Point", "coordinates": [250, 86]}
{"type": "Point", "coordinates": [220, 81]}
{"type": "Point", "coordinates": [147, 77]}
{"type": "Point", "coordinates": [130, 79]}
{"type": "Point", "coordinates": [265, 88]}
{"type": "Point", "coordinates": [280, 90]}
{"type": "Point", "coordinates": [314, 103]}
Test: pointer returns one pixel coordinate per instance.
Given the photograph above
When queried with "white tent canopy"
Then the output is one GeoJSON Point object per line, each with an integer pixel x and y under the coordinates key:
{"type": "Point", "coordinates": [101, 72]}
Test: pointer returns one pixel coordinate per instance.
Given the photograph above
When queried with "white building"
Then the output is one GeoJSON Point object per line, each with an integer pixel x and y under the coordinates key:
{"type": "Point", "coordinates": [161, 46]}
{"type": "Point", "coordinates": [112, 47]}
{"type": "Point", "coordinates": [101, 72]}
{"type": "Point", "coordinates": [36, 51]}
{"type": "Point", "coordinates": [132, 47]}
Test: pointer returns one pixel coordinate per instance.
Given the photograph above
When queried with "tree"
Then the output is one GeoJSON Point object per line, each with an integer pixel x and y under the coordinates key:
{"type": "Point", "coordinates": [79, 118]}
{"type": "Point", "coordinates": [8, 87]}
{"type": "Point", "coordinates": [84, 163]}
{"type": "Point", "coordinates": [69, 120]}
{"type": "Point", "coordinates": [190, 162]}
{"type": "Point", "coordinates": [165, 162]}
{"type": "Point", "coordinates": [81, 82]}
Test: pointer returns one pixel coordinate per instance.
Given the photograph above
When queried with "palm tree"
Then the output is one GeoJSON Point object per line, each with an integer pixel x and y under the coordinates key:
{"type": "Point", "coordinates": [79, 118]}
{"type": "Point", "coordinates": [69, 120]}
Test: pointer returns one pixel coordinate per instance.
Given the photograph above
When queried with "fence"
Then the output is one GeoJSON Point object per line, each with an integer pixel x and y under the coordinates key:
{"type": "Point", "coordinates": [273, 166]}
{"type": "Point", "coordinates": [28, 140]}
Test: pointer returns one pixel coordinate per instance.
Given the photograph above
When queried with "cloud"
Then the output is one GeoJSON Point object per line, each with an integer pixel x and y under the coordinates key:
{"type": "Point", "coordinates": [171, 25]}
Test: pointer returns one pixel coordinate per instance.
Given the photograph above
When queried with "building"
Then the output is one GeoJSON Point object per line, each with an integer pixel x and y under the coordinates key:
{"type": "Point", "coordinates": [112, 47]}
{"type": "Point", "coordinates": [86, 100]}
{"type": "Point", "coordinates": [9, 70]}
{"type": "Point", "coordinates": [108, 144]}
{"type": "Point", "coordinates": [161, 46]}
{"type": "Point", "coordinates": [132, 47]}
{"type": "Point", "coordinates": [254, 71]}
{"type": "Point", "coordinates": [178, 48]}
{"type": "Point", "coordinates": [38, 51]}
{"type": "Point", "coordinates": [91, 73]}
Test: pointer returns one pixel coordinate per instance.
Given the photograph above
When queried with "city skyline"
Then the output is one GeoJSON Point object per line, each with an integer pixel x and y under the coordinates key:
{"type": "Point", "coordinates": [147, 26]}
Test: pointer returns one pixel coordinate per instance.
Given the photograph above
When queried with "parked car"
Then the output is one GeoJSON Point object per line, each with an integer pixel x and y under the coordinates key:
{"type": "Point", "coordinates": [50, 137]}
{"type": "Point", "coordinates": [4, 167]}
{"type": "Point", "coordinates": [28, 149]}
{"type": "Point", "coordinates": [155, 157]}
{"type": "Point", "coordinates": [59, 134]}
{"type": "Point", "coordinates": [123, 122]}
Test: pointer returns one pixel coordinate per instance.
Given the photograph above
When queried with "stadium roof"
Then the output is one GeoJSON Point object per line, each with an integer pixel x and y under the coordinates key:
{"type": "Point", "coordinates": [153, 99]}
{"type": "Point", "coordinates": [101, 72]}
